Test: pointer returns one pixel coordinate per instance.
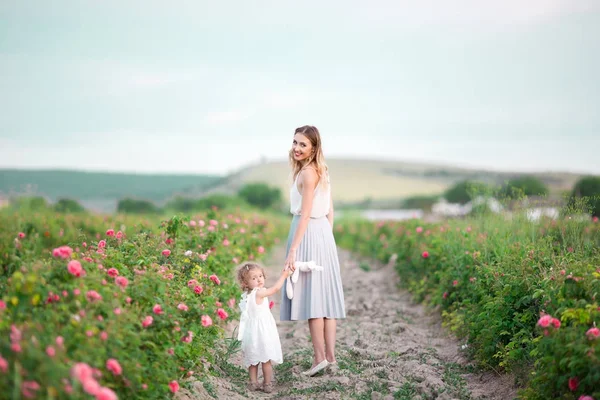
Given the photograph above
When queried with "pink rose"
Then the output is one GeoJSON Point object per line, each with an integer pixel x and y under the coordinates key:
{"type": "Point", "coordinates": [2, 305]}
{"type": "Point", "coordinates": [92, 296]}
{"type": "Point", "coordinates": [222, 314]}
{"type": "Point", "coordinates": [113, 272]}
{"type": "Point", "coordinates": [593, 333]}
{"type": "Point", "coordinates": [182, 307]}
{"type": "Point", "coordinates": [157, 309]}
{"type": "Point", "coordinates": [110, 232]}
{"type": "Point", "coordinates": [147, 321]}
{"type": "Point", "coordinates": [62, 252]}
{"type": "Point", "coordinates": [545, 321]}
{"type": "Point", "coordinates": [271, 304]}
{"type": "Point", "coordinates": [425, 254]}
{"type": "Point", "coordinates": [21, 235]}
{"type": "Point", "coordinates": [215, 279]}
{"type": "Point", "coordinates": [198, 289]}
{"type": "Point", "coordinates": [261, 249]}
{"type": "Point", "coordinates": [166, 252]}
{"type": "Point", "coordinates": [174, 386]}
{"type": "Point", "coordinates": [206, 320]}
{"type": "Point", "coordinates": [50, 351]}
{"type": "Point", "coordinates": [122, 281]}
{"type": "Point", "coordinates": [28, 389]}
{"type": "Point", "coordinates": [106, 394]}
{"type": "Point", "coordinates": [102, 244]}
{"type": "Point", "coordinates": [225, 242]}
{"type": "Point", "coordinates": [555, 322]}
{"type": "Point", "coordinates": [82, 372]}
{"type": "Point", "coordinates": [104, 335]}
{"type": "Point", "coordinates": [113, 366]}
{"type": "Point", "coordinates": [573, 383]}
{"type": "Point", "coordinates": [74, 267]}
{"type": "Point", "coordinates": [91, 386]}
{"type": "Point", "coordinates": [3, 365]}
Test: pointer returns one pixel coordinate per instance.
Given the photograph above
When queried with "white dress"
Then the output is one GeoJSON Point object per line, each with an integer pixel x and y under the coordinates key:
{"type": "Point", "coordinates": [258, 331]}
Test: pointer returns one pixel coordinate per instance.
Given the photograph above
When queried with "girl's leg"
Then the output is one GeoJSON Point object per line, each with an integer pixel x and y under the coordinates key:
{"type": "Point", "coordinates": [253, 369]}
{"type": "Point", "coordinates": [317, 334]}
{"type": "Point", "coordinates": [330, 327]}
{"type": "Point", "coordinates": [267, 372]}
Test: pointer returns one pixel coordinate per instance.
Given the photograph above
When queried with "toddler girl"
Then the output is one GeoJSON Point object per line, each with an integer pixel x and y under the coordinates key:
{"type": "Point", "coordinates": [258, 331]}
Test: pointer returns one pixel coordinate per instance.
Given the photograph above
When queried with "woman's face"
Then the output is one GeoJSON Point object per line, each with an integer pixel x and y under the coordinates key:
{"type": "Point", "coordinates": [301, 147]}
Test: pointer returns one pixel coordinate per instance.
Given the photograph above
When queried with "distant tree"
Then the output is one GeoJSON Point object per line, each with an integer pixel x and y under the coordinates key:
{"type": "Point", "coordinates": [588, 188]}
{"type": "Point", "coordinates": [35, 203]}
{"type": "Point", "coordinates": [221, 201]}
{"type": "Point", "coordinates": [524, 186]}
{"type": "Point", "coordinates": [134, 206]}
{"type": "Point", "coordinates": [421, 202]}
{"type": "Point", "coordinates": [260, 195]}
{"type": "Point", "coordinates": [68, 206]}
{"type": "Point", "coordinates": [462, 192]}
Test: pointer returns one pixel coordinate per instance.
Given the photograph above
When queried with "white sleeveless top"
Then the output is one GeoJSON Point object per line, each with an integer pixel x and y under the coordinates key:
{"type": "Point", "coordinates": [321, 199]}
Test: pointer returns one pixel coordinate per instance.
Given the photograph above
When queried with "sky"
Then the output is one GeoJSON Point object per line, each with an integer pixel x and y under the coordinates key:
{"type": "Point", "coordinates": [209, 87]}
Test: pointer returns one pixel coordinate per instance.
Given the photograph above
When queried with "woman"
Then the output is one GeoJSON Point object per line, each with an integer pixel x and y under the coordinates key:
{"type": "Point", "coordinates": [318, 296]}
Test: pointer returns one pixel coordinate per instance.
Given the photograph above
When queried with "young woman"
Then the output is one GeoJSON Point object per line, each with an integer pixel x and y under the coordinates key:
{"type": "Point", "coordinates": [318, 295]}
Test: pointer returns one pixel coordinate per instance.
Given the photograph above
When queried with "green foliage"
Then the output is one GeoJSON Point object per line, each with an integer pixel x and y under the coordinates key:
{"type": "Point", "coordinates": [261, 195]}
{"type": "Point", "coordinates": [524, 186]}
{"type": "Point", "coordinates": [493, 279]}
{"type": "Point", "coordinates": [30, 204]}
{"type": "Point", "coordinates": [589, 188]}
{"type": "Point", "coordinates": [462, 192]}
{"type": "Point", "coordinates": [135, 206]}
{"type": "Point", "coordinates": [42, 300]}
{"type": "Point", "coordinates": [68, 206]}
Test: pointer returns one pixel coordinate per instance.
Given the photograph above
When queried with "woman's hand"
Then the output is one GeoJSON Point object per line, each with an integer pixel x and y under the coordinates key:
{"type": "Point", "coordinates": [290, 262]}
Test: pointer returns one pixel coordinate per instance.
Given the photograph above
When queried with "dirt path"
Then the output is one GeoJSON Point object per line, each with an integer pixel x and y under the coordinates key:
{"type": "Point", "coordinates": [387, 348]}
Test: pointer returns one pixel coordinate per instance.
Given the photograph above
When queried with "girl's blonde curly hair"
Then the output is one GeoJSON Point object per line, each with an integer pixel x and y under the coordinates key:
{"type": "Point", "coordinates": [244, 272]}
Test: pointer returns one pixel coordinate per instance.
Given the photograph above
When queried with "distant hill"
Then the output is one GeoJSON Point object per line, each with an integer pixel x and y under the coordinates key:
{"type": "Point", "coordinates": [358, 180]}
{"type": "Point", "coordinates": [352, 181]}
{"type": "Point", "coordinates": [97, 190]}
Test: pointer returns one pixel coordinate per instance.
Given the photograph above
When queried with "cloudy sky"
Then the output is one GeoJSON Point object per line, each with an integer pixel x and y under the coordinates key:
{"type": "Point", "coordinates": [207, 87]}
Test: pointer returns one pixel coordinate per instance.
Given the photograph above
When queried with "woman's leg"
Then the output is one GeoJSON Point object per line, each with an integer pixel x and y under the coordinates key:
{"type": "Point", "coordinates": [317, 335]}
{"type": "Point", "coordinates": [267, 372]}
{"type": "Point", "coordinates": [330, 328]}
{"type": "Point", "coordinates": [253, 369]}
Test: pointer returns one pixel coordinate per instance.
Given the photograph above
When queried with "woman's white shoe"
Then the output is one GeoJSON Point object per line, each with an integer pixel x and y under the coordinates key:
{"type": "Point", "coordinates": [317, 368]}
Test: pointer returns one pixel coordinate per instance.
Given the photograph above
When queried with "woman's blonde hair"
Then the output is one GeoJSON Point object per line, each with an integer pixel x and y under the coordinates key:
{"type": "Point", "coordinates": [244, 271]}
{"type": "Point", "coordinates": [316, 157]}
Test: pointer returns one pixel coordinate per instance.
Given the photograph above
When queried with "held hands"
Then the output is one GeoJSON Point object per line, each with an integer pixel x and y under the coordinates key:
{"type": "Point", "coordinates": [290, 262]}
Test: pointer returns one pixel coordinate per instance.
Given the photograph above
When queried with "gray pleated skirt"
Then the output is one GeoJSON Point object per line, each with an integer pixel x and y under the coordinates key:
{"type": "Point", "coordinates": [317, 294]}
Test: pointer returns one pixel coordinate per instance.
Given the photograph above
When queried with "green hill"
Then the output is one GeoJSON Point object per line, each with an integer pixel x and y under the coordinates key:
{"type": "Point", "coordinates": [99, 185]}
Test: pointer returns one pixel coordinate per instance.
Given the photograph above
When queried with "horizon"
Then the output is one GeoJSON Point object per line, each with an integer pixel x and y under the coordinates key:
{"type": "Point", "coordinates": [203, 88]}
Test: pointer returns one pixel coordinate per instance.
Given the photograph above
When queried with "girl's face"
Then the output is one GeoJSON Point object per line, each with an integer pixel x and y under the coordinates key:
{"type": "Point", "coordinates": [256, 279]}
{"type": "Point", "coordinates": [302, 147]}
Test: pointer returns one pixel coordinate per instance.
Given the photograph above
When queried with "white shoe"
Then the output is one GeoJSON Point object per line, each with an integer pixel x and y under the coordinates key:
{"type": "Point", "coordinates": [317, 368]}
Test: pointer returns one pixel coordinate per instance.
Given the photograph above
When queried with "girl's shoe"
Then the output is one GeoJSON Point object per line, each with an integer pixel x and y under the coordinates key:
{"type": "Point", "coordinates": [317, 368]}
{"type": "Point", "coordinates": [254, 386]}
{"type": "Point", "coordinates": [267, 387]}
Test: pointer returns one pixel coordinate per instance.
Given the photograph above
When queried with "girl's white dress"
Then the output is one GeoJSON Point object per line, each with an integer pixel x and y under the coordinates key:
{"type": "Point", "coordinates": [258, 331]}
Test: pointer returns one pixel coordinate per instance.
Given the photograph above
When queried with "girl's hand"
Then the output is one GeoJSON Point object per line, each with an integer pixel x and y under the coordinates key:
{"type": "Point", "coordinates": [290, 262]}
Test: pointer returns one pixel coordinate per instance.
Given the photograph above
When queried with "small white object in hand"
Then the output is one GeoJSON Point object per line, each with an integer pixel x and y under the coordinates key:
{"type": "Point", "coordinates": [304, 266]}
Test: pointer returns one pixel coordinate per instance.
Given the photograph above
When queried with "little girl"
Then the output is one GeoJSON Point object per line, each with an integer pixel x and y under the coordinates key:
{"type": "Point", "coordinates": [258, 331]}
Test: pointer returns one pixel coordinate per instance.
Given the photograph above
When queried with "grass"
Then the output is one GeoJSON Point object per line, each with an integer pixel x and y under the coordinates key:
{"type": "Point", "coordinates": [407, 391]}
{"type": "Point", "coordinates": [330, 386]}
{"type": "Point", "coordinates": [365, 266]}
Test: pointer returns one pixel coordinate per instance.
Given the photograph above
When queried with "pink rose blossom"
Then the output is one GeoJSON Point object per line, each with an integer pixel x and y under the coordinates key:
{"type": "Point", "coordinates": [76, 292]}
{"type": "Point", "coordinates": [182, 307]}
{"type": "Point", "coordinates": [82, 372]}
{"type": "Point", "coordinates": [225, 242]}
{"type": "Point", "coordinates": [231, 303]}
{"type": "Point", "coordinates": [128, 300]}
{"type": "Point", "coordinates": [545, 321]}
{"type": "Point", "coordinates": [573, 383]}
{"type": "Point", "coordinates": [174, 386]}
{"type": "Point", "coordinates": [147, 321]}
{"type": "Point", "coordinates": [157, 309]}
{"type": "Point", "coordinates": [3, 365]}
{"type": "Point", "coordinates": [21, 235]}
{"type": "Point", "coordinates": [102, 244]}
{"type": "Point", "coordinates": [198, 289]}
{"type": "Point", "coordinates": [593, 333]}
{"type": "Point", "coordinates": [120, 235]}
{"type": "Point", "coordinates": [425, 254]}
{"type": "Point", "coordinates": [60, 341]}
{"type": "Point", "coordinates": [106, 394]}
{"type": "Point", "coordinates": [206, 320]}
{"type": "Point", "coordinates": [92, 296]}
{"type": "Point", "coordinates": [2, 305]}
{"type": "Point", "coordinates": [555, 322]}
{"type": "Point", "coordinates": [104, 335]}
{"type": "Point", "coordinates": [74, 267]}
{"type": "Point", "coordinates": [91, 386]}
{"type": "Point", "coordinates": [271, 304]}
{"type": "Point", "coordinates": [16, 347]}
{"type": "Point", "coordinates": [122, 281]}
{"type": "Point", "coordinates": [28, 389]}
{"type": "Point", "coordinates": [222, 314]}
{"type": "Point", "coordinates": [144, 386]}
{"type": "Point", "coordinates": [113, 272]}
{"type": "Point", "coordinates": [166, 252]}
{"type": "Point", "coordinates": [584, 397]}
{"type": "Point", "coordinates": [50, 351]}
{"type": "Point", "coordinates": [215, 279]}
{"type": "Point", "coordinates": [213, 222]}
{"type": "Point", "coordinates": [110, 232]}
{"type": "Point", "coordinates": [171, 351]}
{"type": "Point", "coordinates": [113, 366]}
{"type": "Point", "coordinates": [419, 229]}
{"type": "Point", "coordinates": [261, 250]}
